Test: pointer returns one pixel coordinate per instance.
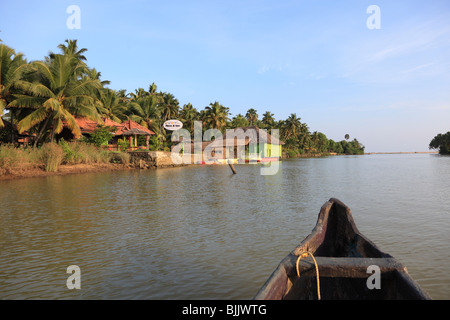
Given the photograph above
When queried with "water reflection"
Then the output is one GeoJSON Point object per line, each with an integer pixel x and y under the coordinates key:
{"type": "Point", "coordinates": [201, 232]}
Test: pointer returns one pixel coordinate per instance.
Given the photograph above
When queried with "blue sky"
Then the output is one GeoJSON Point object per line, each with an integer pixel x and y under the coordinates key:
{"type": "Point", "coordinates": [388, 87]}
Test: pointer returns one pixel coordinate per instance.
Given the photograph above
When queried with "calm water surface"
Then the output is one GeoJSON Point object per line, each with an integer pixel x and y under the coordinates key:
{"type": "Point", "coordinates": [203, 233]}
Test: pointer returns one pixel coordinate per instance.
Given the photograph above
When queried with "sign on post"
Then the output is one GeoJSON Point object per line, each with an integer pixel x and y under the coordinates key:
{"type": "Point", "coordinates": [173, 125]}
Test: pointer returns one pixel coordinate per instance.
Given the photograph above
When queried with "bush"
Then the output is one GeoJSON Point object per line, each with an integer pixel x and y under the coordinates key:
{"type": "Point", "coordinates": [123, 144]}
{"type": "Point", "coordinates": [81, 152]}
{"type": "Point", "coordinates": [14, 159]}
{"type": "Point", "coordinates": [102, 135]}
{"type": "Point", "coordinates": [120, 157]}
{"type": "Point", "coordinates": [292, 153]}
{"type": "Point", "coordinates": [52, 156]}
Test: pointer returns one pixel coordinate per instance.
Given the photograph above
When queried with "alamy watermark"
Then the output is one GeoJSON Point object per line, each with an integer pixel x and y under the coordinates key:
{"type": "Point", "coordinates": [374, 20]}
{"type": "Point", "coordinates": [74, 280]}
{"type": "Point", "coordinates": [374, 281]}
{"type": "Point", "coordinates": [74, 20]}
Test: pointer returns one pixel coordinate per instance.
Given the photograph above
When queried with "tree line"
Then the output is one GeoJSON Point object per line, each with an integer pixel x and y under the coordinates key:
{"type": "Point", "coordinates": [43, 97]}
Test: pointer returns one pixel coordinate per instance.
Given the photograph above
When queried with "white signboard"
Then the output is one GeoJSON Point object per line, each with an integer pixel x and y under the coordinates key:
{"type": "Point", "coordinates": [173, 125]}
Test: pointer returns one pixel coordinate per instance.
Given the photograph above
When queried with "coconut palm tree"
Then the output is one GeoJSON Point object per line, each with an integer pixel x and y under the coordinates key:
{"type": "Point", "coordinates": [252, 116]}
{"type": "Point", "coordinates": [145, 111]}
{"type": "Point", "coordinates": [97, 92]}
{"type": "Point", "coordinates": [291, 126]}
{"type": "Point", "coordinates": [56, 98]}
{"type": "Point", "coordinates": [239, 121]}
{"type": "Point", "coordinates": [123, 96]}
{"type": "Point", "coordinates": [188, 115]}
{"type": "Point", "coordinates": [304, 136]}
{"type": "Point", "coordinates": [169, 107]}
{"type": "Point", "coordinates": [111, 105]}
{"type": "Point", "coordinates": [138, 93]}
{"type": "Point", "coordinates": [92, 73]}
{"type": "Point", "coordinates": [152, 88]}
{"type": "Point", "coordinates": [216, 116]}
{"type": "Point", "coordinates": [268, 120]}
{"type": "Point", "coordinates": [12, 67]}
{"type": "Point", "coordinates": [72, 49]}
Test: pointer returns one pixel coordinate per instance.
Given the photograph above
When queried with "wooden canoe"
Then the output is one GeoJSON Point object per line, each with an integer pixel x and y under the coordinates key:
{"type": "Point", "coordinates": [343, 256]}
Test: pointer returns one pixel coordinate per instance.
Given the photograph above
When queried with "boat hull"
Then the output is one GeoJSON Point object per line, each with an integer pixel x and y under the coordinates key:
{"type": "Point", "coordinates": [347, 263]}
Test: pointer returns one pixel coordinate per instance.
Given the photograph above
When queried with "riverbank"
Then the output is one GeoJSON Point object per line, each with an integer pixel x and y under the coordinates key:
{"type": "Point", "coordinates": [65, 170]}
{"type": "Point", "coordinates": [137, 160]}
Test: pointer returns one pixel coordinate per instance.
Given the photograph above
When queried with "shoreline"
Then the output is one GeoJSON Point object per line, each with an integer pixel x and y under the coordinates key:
{"type": "Point", "coordinates": [110, 167]}
{"type": "Point", "coordinates": [65, 170]}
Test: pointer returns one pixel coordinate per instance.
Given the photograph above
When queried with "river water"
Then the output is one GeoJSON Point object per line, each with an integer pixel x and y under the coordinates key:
{"type": "Point", "coordinates": [201, 232]}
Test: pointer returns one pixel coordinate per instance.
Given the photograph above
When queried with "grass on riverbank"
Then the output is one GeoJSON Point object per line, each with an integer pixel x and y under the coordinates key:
{"type": "Point", "coordinates": [51, 155]}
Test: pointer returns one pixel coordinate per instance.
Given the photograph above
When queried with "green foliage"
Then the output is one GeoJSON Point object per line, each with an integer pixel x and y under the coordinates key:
{"type": "Point", "coordinates": [441, 142]}
{"type": "Point", "coordinates": [239, 121]}
{"type": "Point", "coordinates": [102, 135]}
{"type": "Point", "coordinates": [292, 153]}
{"type": "Point", "coordinates": [123, 144]}
{"type": "Point", "coordinates": [154, 143]}
{"type": "Point", "coordinates": [252, 116]}
{"type": "Point", "coordinates": [69, 154]}
{"type": "Point", "coordinates": [352, 147]}
{"type": "Point", "coordinates": [77, 152]}
{"type": "Point", "coordinates": [216, 116]}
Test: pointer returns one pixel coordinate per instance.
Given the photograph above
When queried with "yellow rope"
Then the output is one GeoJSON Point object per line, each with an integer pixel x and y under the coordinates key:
{"type": "Point", "coordinates": [304, 255]}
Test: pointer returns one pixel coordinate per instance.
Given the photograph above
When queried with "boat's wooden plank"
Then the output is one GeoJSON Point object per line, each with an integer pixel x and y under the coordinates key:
{"type": "Point", "coordinates": [341, 267]}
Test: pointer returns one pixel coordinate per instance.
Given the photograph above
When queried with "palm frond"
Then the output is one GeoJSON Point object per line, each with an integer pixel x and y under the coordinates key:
{"type": "Point", "coordinates": [32, 119]}
{"type": "Point", "coordinates": [44, 69]}
{"type": "Point", "coordinates": [24, 101]}
{"type": "Point", "coordinates": [72, 125]}
{"type": "Point", "coordinates": [52, 104]}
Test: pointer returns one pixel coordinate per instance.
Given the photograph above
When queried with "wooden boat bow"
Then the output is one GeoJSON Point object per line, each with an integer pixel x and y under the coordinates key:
{"type": "Point", "coordinates": [343, 256]}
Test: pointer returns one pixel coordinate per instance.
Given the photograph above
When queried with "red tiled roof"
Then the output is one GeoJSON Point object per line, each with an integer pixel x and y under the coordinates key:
{"type": "Point", "coordinates": [129, 124]}
{"type": "Point", "coordinates": [86, 125]}
{"type": "Point", "coordinates": [89, 126]}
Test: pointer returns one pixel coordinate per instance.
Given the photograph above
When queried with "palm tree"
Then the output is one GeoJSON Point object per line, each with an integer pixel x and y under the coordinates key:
{"type": "Point", "coordinates": [188, 115]}
{"type": "Point", "coordinates": [145, 111]}
{"type": "Point", "coordinates": [57, 97]}
{"type": "Point", "coordinates": [123, 96]}
{"type": "Point", "coordinates": [152, 88]}
{"type": "Point", "coordinates": [71, 50]}
{"type": "Point", "coordinates": [291, 126]}
{"type": "Point", "coordinates": [268, 120]}
{"type": "Point", "coordinates": [216, 116]}
{"type": "Point", "coordinates": [304, 136]}
{"type": "Point", "coordinates": [139, 93]}
{"type": "Point", "coordinates": [111, 105]}
{"type": "Point", "coordinates": [315, 140]}
{"type": "Point", "coordinates": [97, 92]}
{"type": "Point", "coordinates": [347, 136]}
{"type": "Point", "coordinates": [239, 121]}
{"type": "Point", "coordinates": [94, 74]}
{"type": "Point", "coordinates": [251, 116]}
{"type": "Point", "coordinates": [169, 107]}
{"type": "Point", "coordinates": [12, 67]}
